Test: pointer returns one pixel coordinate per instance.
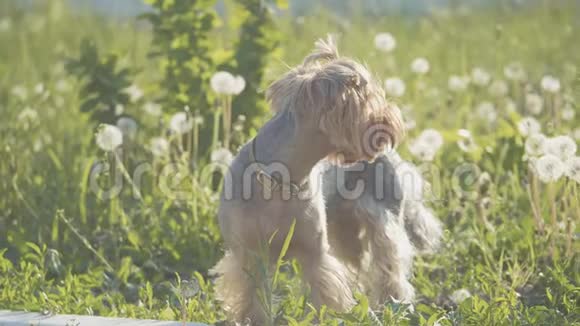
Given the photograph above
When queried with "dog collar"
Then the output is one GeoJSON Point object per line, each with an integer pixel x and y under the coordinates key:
{"type": "Point", "coordinates": [270, 182]}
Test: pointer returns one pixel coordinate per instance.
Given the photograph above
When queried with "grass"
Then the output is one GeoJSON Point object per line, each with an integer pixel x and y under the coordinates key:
{"type": "Point", "coordinates": [64, 250]}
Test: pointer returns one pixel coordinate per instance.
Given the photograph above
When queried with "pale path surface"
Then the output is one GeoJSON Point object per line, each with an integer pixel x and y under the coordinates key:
{"type": "Point", "coordinates": [19, 318]}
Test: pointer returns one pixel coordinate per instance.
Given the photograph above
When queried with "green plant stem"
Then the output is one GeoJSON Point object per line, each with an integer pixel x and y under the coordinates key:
{"type": "Point", "coordinates": [121, 166]}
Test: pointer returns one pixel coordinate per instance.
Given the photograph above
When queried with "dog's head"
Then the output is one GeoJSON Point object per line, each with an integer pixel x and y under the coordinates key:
{"type": "Point", "coordinates": [346, 103]}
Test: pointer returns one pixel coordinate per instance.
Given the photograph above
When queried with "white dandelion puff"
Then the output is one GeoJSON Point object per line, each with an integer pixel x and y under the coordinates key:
{"type": "Point", "coordinates": [420, 66]}
{"type": "Point", "coordinates": [498, 88]}
{"type": "Point", "coordinates": [119, 109]}
{"type": "Point", "coordinates": [223, 82]}
{"type": "Point", "coordinates": [222, 156]}
{"type": "Point", "coordinates": [180, 123]}
{"type": "Point", "coordinates": [510, 105]}
{"type": "Point", "coordinates": [27, 118]}
{"type": "Point", "coordinates": [529, 126]}
{"type": "Point", "coordinates": [432, 138]}
{"type": "Point", "coordinates": [458, 83]}
{"type": "Point", "coordinates": [159, 146]}
{"type": "Point", "coordinates": [562, 147]}
{"type": "Point", "coordinates": [576, 134]}
{"type": "Point", "coordinates": [135, 93]}
{"type": "Point", "coordinates": [410, 124]}
{"type": "Point", "coordinates": [573, 168]}
{"type": "Point", "coordinates": [395, 87]}
{"type": "Point", "coordinates": [568, 113]}
{"type": "Point", "coordinates": [109, 137]}
{"type": "Point", "coordinates": [534, 103]}
{"type": "Point", "coordinates": [550, 84]}
{"type": "Point", "coordinates": [239, 85]}
{"type": "Point", "coordinates": [152, 109]}
{"type": "Point", "coordinates": [480, 77]}
{"type": "Point", "coordinates": [39, 89]}
{"type": "Point", "coordinates": [62, 86]}
{"type": "Point", "coordinates": [385, 42]}
{"type": "Point", "coordinates": [466, 142]}
{"type": "Point", "coordinates": [487, 111]}
{"type": "Point", "coordinates": [128, 127]}
{"type": "Point", "coordinates": [515, 72]}
{"type": "Point", "coordinates": [20, 92]}
{"type": "Point", "coordinates": [535, 145]}
{"type": "Point", "coordinates": [5, 24]}
{"type": "Point", "coordinates": [460, 295]}
{"type": "Point", "coordinates": [422, 151]}
{"type": "Point", "coordinates": [198, 120]}
{"type": "Point", "coordinates": [549, 168]}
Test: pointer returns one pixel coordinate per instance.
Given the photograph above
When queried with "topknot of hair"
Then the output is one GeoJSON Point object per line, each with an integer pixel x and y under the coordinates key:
{"type": "Point", "coordinates": [324, 50]}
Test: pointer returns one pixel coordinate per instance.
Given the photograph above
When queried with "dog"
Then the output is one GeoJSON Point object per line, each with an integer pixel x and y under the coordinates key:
{"type": "Point", "coordinates": [326, 108]}
{"type": "Point", "coordinates": [386, 221]}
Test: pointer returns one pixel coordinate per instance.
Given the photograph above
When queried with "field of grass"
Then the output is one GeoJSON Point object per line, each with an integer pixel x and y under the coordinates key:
{"type": "Point", "coordinates": [509, 197]}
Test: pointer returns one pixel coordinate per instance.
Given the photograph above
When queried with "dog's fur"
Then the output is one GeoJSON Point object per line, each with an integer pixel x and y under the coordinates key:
{"type": "Point", "coordinates": [324, 109]}
{"type": "Point", "coordinates": [377, 232]}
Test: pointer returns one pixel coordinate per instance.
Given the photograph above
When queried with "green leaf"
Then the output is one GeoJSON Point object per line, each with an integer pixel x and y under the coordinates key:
{"type": "Point", "coordinates": [283, 252]}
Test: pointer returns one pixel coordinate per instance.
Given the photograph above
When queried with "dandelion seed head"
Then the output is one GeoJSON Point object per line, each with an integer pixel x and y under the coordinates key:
{"type": "Point", "coordinates": [62, 86]}
{"type": "Point", "coordinates": [573, 168]}
{"type": "Point", "coordinates": [27, 118]}
{"type": "Point", "coordinates": [487, 111]}
{"type": "Point", "coordinates": [159, 146]}
{"type": "Point", "coordinates": [549, 168]}
{"type": "Point", "coordinates": [498, 88]}
{"type": "Point", "coordinates": [515, 71]}
{"type": "Point", "coordinates": [420, 66]}
{"type": "Point", "coordinates": [20, 92]}
{"type": "Point", "coordinates": [460, 295]}
{"type": "Point", "coordinates": [458, 83]}
{"type": "Point", "coordinates": [135, 93]}
{"type": "Point", "coordinates": [422, 151]}
{"type": "Point", "coordinates": [562, 147]}
{"type": "Point", "coordinates": [385, 42]}
{"type": "Point", "coordinates": [568, 112]}
{"type": "Point", "coordinates": [152, 109]}
{"type": "Point", "coordinates": [529, 126]}
{"type": "Point", "coordinates": [576, 134]}
{"type": "Point", "coordinates": [480, 77]}
{"type": "Point", "coordinates": [5, 24]}
{"type": "Point", "coordinates": [550, 84]}
{"type": "Point", "coordinates": [225, 83]}
{"type": "Point", "coordinates": [198, 120]}
{"type": "Point", "coordinates": [109, 137]}
{"type": "Point", "coordinates": [39, 89]}
{"type": "Point", "coordinates": [535, 145]}
{"type": "Point", "coordinates": [119, 109]}
{"type": "Point", "coordinates": [239, 85]}
{"type": "Point", "coordinates": [432, 138]}
{"type": "Point", "coordinates": [180, 123]}
{"type": "Point", "coordinates": [222, 156]}
{"type": "Point", "coordinates": [534, 103]}
{"type": "Point", "coordinates": [466, 142]}
{"type": "Point", "coordinates": [395, 87]}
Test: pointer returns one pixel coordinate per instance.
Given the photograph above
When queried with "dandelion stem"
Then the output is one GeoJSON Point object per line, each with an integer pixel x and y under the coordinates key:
{"type": "Point", "coordinates": [216, 129]}
{"type": "Point", "coordinates": [195, 141]}
{"type": "Point", "coordinates": [136, 191]}
{"type": "Point", "coordinates": [532, 194]}
{"type": "Point", "coordinates": [85, 241]}
{"type": "Point", "coordinates": [554, 217]}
